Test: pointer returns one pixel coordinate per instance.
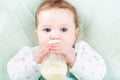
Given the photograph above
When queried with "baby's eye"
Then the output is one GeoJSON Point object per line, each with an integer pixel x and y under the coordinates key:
{"type": "Point", "coordinates": [47, 29]}
{"type": "Point", "coordinates": [64, 29]}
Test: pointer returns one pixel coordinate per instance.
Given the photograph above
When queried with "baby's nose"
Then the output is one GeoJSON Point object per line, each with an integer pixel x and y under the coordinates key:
{"type": "Point", "coordinates": [55, 37]}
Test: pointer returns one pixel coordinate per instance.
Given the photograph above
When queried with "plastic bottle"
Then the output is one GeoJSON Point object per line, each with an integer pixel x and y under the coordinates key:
{"type": "Point", "coordinates": [53, 66]}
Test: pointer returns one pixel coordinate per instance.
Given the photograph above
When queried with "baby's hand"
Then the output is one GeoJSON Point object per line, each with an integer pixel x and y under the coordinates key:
{"type": "Point", "coordinates": [40, 54]}
{"type": "Point", "coordinates": [66, 50]}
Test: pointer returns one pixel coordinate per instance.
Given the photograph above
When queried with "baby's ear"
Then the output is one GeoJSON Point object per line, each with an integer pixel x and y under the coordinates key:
{"type": "Point", "coordinates": [76, 31]}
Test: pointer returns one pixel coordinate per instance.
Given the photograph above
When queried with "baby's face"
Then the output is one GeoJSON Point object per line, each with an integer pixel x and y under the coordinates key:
{"type": "Point", "coordinates": [56, 24]}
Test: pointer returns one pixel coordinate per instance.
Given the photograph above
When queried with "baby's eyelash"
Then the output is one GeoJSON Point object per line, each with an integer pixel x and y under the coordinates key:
{"type": "Point", "coordinates": [47, 29]}
{"type": "Point", "coordinates": [64, 29]}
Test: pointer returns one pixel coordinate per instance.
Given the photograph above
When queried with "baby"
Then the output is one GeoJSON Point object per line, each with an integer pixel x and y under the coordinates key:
{"type": "Point", "coordinates": [57, 20]}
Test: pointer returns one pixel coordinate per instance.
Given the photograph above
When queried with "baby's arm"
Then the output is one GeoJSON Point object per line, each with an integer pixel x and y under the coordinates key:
{"type": "Point", "coordinates": [22, 66]}
{"type": "Point", "coordinates": [89, 64]}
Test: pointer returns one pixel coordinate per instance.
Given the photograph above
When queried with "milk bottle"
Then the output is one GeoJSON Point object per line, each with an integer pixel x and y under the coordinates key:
{"type": "Point", "coordinates": [53, 66]}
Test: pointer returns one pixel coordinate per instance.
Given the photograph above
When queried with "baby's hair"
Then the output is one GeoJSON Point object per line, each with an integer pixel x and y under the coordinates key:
{"type": "Point", "coordinates": [60, 4]}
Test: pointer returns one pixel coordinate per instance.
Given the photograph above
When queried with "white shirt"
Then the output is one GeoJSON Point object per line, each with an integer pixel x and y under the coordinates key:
{"type": "Point", "coordinates": [89, 65]}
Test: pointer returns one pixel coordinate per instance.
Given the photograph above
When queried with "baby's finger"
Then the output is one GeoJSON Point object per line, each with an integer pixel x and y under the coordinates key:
{"type": "Point", "coordinates": [42, 56]}
{"type": "Point", "coordinates": [39, 55]}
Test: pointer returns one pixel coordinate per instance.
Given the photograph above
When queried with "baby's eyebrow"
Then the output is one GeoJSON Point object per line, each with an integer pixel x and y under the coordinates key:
{"type": "Point", "coordinates": [45, 25]}
{"type": "Point", "coordinates": [64, 25]}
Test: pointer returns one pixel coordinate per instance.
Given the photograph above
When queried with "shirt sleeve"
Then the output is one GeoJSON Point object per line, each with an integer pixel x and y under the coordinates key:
{"type": "Point", "coordinates": [89, 64]}
{"type": "Point", "coordinates": [22, 66]}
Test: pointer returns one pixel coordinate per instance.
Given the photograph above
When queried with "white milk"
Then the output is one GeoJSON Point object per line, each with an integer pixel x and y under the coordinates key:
{"type": "Point", "coordinates": [54, 70]}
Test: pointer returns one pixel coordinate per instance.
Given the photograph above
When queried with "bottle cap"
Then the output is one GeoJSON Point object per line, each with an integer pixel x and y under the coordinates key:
{"type": "Point", "coordinates": [53, 41]}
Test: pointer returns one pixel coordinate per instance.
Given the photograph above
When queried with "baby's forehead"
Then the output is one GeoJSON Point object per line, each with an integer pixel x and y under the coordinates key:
{"type": "Point", "coordinates": [56, 13]}
{"type": "Point", "coordinates": [56, 16]}
{"type": "Point", "coordinates": [56, 10]}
